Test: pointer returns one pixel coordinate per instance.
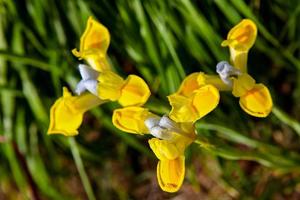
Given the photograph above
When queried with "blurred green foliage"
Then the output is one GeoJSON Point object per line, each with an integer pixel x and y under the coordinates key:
{"type": "Point", "coordinates": [236, 156]}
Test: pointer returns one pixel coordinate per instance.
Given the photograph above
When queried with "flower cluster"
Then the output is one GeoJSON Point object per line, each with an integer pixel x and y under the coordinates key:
{"type": "Point", "coordinates": [173, 132]}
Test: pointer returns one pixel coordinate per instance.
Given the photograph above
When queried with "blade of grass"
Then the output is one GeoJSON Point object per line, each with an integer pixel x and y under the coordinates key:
{"type": "Point", "coordinates": [283, 117]}
{"type": "Point", "coordinates": [79, 164]}
{"type": "Point", "coordinates": [160, 24]}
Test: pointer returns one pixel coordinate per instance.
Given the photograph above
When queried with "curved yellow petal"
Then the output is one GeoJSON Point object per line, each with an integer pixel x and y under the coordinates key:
{"type": "Point", "coordinates": [97, 61]}
{"type": "Point", "coordinates": [203, 101]}
{"type": "Point", "coordinates": [135, 92]}
{"type": "Point", "coordinates": [131, 119]}
{"type": "Point", "coordinates": [182, 109]}
{"type": "Point", "coordinates": [94, 44]}
{"type": "Point", "coordinates": [257, 101]}
{"type": "Point", "coordinates": [242, 36]}
{"type": "Point", "coordinates": [242, 84]}
{"type": "Point", "coordinates": [191, 83]}
{"type": "Point", "coordinates": [67, 112]}
{"type": "Point", "coordinates": [170, 174]}
{"type": "Point", "coordinates": [110, 86]}
{"type": "Point", "coordinates": [164, 149]}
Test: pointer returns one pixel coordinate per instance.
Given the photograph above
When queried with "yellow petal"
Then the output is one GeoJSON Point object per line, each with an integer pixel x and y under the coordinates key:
{"type": "Point", "coordinates": [110, 85]}
{"type": "Point", "coordinates": [203, 101]}
{"type": "Point", "coordinates": [93, 45]}
{"type": "Point", "coordinates": [242, 84]}
{"type": "Point", "coordinates": [164, 149]}
{"type": "Point", "coordinates": [97, 61]}
{"type": "Point", "coordinates": [131, 119]}
{"type": "Point", "coordinates": [206, 99]}
{"type": "Point", "coordinates": [170, 174]}
{"type": "Point", "coordinates": [191, 83]}
{"type": "Point", "coordinates": [182, 109]}
{"type": "Point", "coordinates": [135, 92]}
{"type": "Point", "coordinates": [257, 101]}
{"type": "Point", "coordinates": [242, 36]}
{"type": "Point", "coordinates": [67, 112]}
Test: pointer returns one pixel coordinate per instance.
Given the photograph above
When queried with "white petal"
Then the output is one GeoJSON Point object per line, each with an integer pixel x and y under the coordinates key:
{"type": "Point", "coordinates": [169, 124]}
{"type": "Point", "coordinates": [225, 71]}
{"type": "Point", "coordinates": [80, 87]}
{"type": "Point", "coordinates": [152, 122]}
{"type": "Point", "coordinates": [87, 72]}
{"type": "Point", "coordinates": [161, 133]}
{"type": "Point", "coordinates": [91, 86]}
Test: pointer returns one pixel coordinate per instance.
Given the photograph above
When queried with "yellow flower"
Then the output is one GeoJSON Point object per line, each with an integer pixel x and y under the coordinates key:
{"type": "Point", "coordinates": [240, 39]}
{"type": "Point", "coordinates": [93, 45]}
{"type": "Point", "coordinates": [195, 98]}
{"type": "Point", "coordinates": [169, 145]}
{"type": "Point", "coordinates": [170, 151]}
{"type": "Point", "coordinates": [255, 99]}
{"type": "Point", "coordinates": [102, 83]}
{"type": "Point", "coordinates": [67, 112]}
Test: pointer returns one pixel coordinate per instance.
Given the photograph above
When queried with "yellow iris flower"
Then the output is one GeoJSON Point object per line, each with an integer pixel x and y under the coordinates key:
{"type": "Point", "coordinates": [169, 145]}
{"type": "Point", "coordinates": [103, 84]}
{"type": "Point", "coordinates": [255, 99]}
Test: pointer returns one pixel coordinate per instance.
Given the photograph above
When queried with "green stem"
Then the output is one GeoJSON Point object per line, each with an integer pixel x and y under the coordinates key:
{"type": "Point", "coordinates": [82, 173]}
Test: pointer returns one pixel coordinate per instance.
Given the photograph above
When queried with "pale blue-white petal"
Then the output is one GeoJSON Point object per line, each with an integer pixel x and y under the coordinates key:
{"type": "Point", "coordinates": [169, 124]}
{"type": "Point", "coordinates": [161, 133]}
{"type": "Point", "coordinates": [225, 71]}
{"type": "Point", "coordinates": [80, 88]}
{"type": "Point", "coordinates": [87, 72]}
{"type": "Point", "coordinates": [91, 85]}
{"type": "Point", "coordinates": [152, 122]}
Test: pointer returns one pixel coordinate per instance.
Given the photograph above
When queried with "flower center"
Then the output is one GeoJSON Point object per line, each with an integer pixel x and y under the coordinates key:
{"type": "Point", "coordinates": [227, 72]}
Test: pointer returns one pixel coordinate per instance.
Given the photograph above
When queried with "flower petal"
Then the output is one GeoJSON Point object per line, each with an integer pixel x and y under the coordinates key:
{"type": "Point", "coordinates": [182, 109]}
{"type": "Point", "coordinates": [67, 112]}
{"type": "Point", "coordinates": [131, 119]}
{"type": "Point", "coordinates": [110, 85]}
{"type": "Point", "coordinates": [191, 83]}
{"type": "Point", "coordinates": [206, 99]}
{"type": "Point", "coordinates": [242, 84]}
{"type": "Point", "coordinates": [242, 36]}
{"type": "Point", "coordinates": [87, 72]}
{"type": "Point", "coordinates": [257, 101]}
{"type": "Point", "coordinates": [164, 149]}
{"type": "Point", "coordinates": [170, 174]}
{"type": "Point", "coordinates": [203, 101]}
{"type": "Point", "coordinates": [93, 45]}
{"type": "Point", "coordinates": [135, 92]}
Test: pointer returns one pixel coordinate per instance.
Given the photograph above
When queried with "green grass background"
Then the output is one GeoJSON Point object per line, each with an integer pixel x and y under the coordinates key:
{"type": "Point", "coordinates": [236, 156]}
